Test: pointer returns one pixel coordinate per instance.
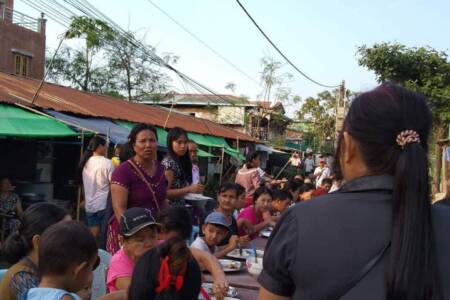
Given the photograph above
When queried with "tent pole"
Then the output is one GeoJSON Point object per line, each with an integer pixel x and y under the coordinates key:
{"type": "Point", "coordinates": [79, 187]}
{"type": "Point", "coordinates": [221, 167]}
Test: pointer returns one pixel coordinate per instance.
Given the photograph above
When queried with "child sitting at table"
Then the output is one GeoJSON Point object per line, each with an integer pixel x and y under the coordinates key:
{"type": "Point", "coordinates": [307, 191]}
{"type": "Point", "coordinates": [324, 187]}
{"type": "Point", "coordinates": [67, 257]}
{"type": "Point", "coordinates": [168, 271]}
{"type": "Point", "coordinates": [281, 201]}
{"type": "Point", "coordinates": [240, 194]}
{"type": "Point", "coordinates": [229, 202]}
{"type": "Point", "coordinates": [176, 222]}
{"type": "Point", "coordinates": [215, 229]}
{"type": "Point", "coordinates": [262, 202]}
{"type": "Point", "coordinates": [138, 234]}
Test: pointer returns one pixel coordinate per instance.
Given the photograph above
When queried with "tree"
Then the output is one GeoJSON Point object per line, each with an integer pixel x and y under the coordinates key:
{"type": "Point", "coordinates": [135, 72]}
{"type": "Point", "coordinates": [96, 34]}
{"type": "Point", "coordinates": [231, 86]}
{"type": "Point", "coordinates": [320, 112]}
{"type": "Point", "coordinates": [109, 63]}
{"type": "Point", "coordinates": [422, 69]}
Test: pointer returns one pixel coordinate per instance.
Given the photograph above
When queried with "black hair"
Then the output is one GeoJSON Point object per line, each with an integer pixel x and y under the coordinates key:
{"type": "Point", "coordinates": [145, 279]}
{"type": "Point", "coordinates": [94, 143]}
{"type": "Point", "coordinates": [184, 161]}
{"type": "Point", "coordinates": [261, 190]}
{"type": "Point", "coordinates": [127, 148]}
{"type": "Point", "coordinates": [374, 120]}
{"type": "Point", "coordinates": [126, 153]}
{"type": "Point", "coordinates": [281, 195]}
{"type": "Point", "coordinates": [327, 181]}
{"type": "Point", "coordinates": [137, 129]}
{"type": "Point", "coordinates": [35, 220]}
{"type": "Point", "coordinates": [177, 219]}
{"type": "Point", "coordinates": [228, 186]}
{"type": "Point", "coordinates": [293, 185]}
{"type": "Point", "coordinates": [250, 157]}
{"type": "Point", "coordinates": [240, 190]}
{"type": "Point", "coordinates": [64, 244]}
{"type": "Point", "coordinates": [306, 187]}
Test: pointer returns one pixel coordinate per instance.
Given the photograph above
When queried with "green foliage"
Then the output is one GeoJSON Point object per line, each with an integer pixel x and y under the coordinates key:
{"type": "Point", "coordinates": [135, 73]}
{"type": "Point", "coordinates": [422, 69]}
{"type": "Point", "coordinates": [109, 63]}
{"type": "Point", "coordinates": [320, 113]}
{"type": "Point", "coordinates": [96, 32]}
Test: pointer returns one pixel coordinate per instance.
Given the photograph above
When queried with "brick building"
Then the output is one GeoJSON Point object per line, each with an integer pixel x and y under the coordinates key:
{"type": "Point", "coordinates": [22, 42]}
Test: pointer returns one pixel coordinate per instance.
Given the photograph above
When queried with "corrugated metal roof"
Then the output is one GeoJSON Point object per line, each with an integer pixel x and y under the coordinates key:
{"type": "Point", "coordinates": [202, 100]}
{"type": "Point", "coordinates": [16, 89]}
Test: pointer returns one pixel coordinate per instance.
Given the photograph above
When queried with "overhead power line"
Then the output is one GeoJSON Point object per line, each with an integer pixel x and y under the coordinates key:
{"type": "Point", "coordinates": [281, 53]}
{"type": "Point", "coordinates": [203, 42]}
{"type": "Point", "coordinates": [91, 11]}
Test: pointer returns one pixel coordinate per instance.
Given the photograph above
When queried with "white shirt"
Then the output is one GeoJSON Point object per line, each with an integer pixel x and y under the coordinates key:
{"type": "Point", "coordinates": [200, 244]}
{"type": "Point", "coordinates": [295, 161]}
{"type": "Point", "coordinates": [326, 172]}
{"type": "Point", "coordinates": [309, 165]}
{"type": "Point", "coordinates": [96, 176]}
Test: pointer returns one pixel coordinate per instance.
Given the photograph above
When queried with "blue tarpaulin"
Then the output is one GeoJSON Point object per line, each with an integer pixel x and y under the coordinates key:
{"type": "Point", "coordinates": [117, 134]}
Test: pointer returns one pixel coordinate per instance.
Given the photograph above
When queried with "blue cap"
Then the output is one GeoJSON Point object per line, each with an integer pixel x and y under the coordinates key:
{"type": "Point", "coordinates": [217, 218]}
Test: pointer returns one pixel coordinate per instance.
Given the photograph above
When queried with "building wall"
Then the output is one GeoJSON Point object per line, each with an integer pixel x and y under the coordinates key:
{"type": "Point", "coordinates": [209, 113]}
{"type": "Point", "coordinates": [24, 41]}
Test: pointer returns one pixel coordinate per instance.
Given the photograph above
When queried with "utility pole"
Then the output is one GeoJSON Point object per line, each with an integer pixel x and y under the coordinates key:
{"type": "Point", "coordinates": [340, 111]}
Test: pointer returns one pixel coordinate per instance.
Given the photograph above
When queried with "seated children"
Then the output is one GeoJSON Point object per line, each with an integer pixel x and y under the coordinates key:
{"type": "Point", "coordinates": [293, 187]}
{"type": "Point", "coordinates": [138, 234]}
{"type": "Point", "coordinates": [215, 229]}
{"type": "Point", "coordinates": [67, 257]}
{"type": "Point", "coordinates": [254, 214]}
{"type": "Point", "coordinates": [240, 193]}
{"type": "Point", "coordinates": [281, 201]}
{"type": "Point", "coordinates": [324, 187]}
{"type": "Point", "coordinates": [227, 200]}
{"type": "Point", "coordinates": [168, 271]}
{"type": "Point", "coordinates": [176, 222]}
{"type": "Point", "coordinates": [307, 191]}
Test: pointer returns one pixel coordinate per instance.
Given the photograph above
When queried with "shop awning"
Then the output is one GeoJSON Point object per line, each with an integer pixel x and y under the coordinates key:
{"type": "Point", "coordinates": [117, 134]}
{"type": "Point", "coordinates": [15, 121]}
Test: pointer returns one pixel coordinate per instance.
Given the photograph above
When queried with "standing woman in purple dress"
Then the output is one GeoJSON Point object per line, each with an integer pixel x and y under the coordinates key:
{"type": "Point", "coordinates": [138, 182]}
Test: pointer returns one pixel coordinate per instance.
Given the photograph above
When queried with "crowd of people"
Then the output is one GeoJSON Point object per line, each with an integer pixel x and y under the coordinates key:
{"type": "Point", "coordinates": [360, 226]}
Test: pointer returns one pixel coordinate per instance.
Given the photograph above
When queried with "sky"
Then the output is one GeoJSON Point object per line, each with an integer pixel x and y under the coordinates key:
{"type": "Point", "coordinates": [320, 37]}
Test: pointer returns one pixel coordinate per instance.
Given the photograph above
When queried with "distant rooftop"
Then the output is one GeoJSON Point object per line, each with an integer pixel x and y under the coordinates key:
{"type": "Point", "coordinates": [202, 100]}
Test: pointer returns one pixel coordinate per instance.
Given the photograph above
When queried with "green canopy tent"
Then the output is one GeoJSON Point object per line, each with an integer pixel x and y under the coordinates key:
{"type": "Point", "coordinates": [18, 122]}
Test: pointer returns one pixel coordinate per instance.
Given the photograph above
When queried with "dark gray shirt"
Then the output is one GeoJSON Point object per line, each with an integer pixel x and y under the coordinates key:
{"type": "Point", "coordinates": [319, 245]}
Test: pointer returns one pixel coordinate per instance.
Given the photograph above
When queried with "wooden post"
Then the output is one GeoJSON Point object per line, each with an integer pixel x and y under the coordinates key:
{"type": "Point", "coordinates": [79, 187]}
{"type": "Point", "coordinates": [221, 167]}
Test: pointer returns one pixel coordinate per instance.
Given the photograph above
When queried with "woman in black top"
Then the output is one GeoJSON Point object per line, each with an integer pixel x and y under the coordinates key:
{"type": "Point", "coordinates": [178, 167]}
{"type": "Point", "coordinates": [377, 237]}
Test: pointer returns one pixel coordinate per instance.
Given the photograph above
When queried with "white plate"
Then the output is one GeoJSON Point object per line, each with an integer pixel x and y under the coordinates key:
{"type": "Point", "coordinates": [229, 266]}
{"type": "Point", "coordinates": [266, 233]}
{"type": "Point", "coordinates": [192, 196]}
{"type": "Point", "coordinates": [246, 253]}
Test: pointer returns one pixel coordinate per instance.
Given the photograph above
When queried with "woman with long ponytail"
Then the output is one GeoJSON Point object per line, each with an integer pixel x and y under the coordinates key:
{"type": "Point", "coordinates": [378, 236]}
{"type": "Point", "coordinates": [96, 172]}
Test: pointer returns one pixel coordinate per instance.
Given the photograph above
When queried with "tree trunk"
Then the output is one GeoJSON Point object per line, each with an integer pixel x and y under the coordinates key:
{"type": "Point", "coordinates": [86, 74]}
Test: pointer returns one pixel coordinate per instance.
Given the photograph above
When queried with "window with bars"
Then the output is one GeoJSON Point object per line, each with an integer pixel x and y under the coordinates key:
{"type": "Point", "coordinates": [21, 65]}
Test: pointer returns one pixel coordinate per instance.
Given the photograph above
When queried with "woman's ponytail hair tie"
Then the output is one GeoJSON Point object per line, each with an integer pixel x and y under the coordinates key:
{"type": "Point", "coordinates": [407, 137]}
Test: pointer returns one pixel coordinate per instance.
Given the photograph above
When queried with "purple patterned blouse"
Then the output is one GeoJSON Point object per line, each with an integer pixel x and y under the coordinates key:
{"type": "Point", "coordinates": [139, 194]}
